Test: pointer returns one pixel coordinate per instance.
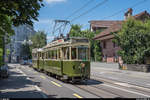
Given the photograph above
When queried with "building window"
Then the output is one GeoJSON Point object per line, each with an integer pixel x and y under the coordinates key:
{"type": "Point", "coordinates": [104, 44]}
{"type": "Point", "coordinates": [115, 45]}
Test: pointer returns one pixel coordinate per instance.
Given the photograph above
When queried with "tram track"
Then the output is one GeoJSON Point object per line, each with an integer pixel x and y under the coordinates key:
{"type": "Point", "coordinates": [80, 87]}
{"type": "Point", "coordinates": [95, 90]}
{"type": "Point", "coordinates": [132, 86]}
{"type": "Point", "coordinates": [100, 91]}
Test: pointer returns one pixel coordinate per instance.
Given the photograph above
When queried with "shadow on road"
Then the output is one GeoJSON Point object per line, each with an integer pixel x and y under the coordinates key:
{"type": "Point", "coordinates": [18, 86]}
{"type": "Point", "coordinates": [88, 82]}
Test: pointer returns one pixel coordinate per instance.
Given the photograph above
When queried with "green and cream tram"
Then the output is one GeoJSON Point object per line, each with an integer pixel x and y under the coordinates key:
{"type": "Point", "coordinates": [68, 59]}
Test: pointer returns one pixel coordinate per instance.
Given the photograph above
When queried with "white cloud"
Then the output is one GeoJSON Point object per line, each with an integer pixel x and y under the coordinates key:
{"type": "Point", "coordinates": [55, 1]}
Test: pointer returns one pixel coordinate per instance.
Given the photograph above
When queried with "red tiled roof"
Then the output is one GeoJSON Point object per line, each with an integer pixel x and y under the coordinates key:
{"type": "Point", "coordinates": [115, 26]}
{"type": "Point", "coordinates": [103, 23]}
{"type": "Point", "coordinates": [140, 14]}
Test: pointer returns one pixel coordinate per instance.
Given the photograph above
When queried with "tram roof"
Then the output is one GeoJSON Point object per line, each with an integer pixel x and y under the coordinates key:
{"type": "Point", "coordinates": [35, 50]}
{"type": "Point", "coordinates": [70, 40]}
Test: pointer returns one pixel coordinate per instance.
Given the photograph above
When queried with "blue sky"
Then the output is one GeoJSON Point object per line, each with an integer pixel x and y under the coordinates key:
{"type": "Point", "coordinates": [60, 9]}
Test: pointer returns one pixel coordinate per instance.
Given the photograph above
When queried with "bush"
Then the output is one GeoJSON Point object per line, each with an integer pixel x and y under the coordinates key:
{"type": "Point", "coordinates": [134, 40]}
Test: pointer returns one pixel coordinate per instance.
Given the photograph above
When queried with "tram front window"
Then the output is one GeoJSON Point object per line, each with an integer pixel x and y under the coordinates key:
{"type": "Point", "coordinates": [83, 53]}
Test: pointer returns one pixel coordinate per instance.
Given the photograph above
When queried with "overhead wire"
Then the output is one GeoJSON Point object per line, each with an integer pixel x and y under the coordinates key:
{"type": "Point", "coordinates": [78, 10]}
{"type": "Point", "coordinates": [99, 4]}
{"type": "Point", "coordinates": [114, 14]}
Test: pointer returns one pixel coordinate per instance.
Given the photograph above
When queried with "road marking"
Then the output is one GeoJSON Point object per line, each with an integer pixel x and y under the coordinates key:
{"type": "Point", "coordinates": [124, 84]}
{"type": "Point", "coordinates": [44, 96]}
{"type": "Point", "coordinates": [43, 77]}
{"type": "Point", "coordinates": [24, 74]}
{"type": "Point", "coordinates": [56, 84]}
{"type": "Point", "coordinates": [127, 90]}
{"type": "Point", "coordinates": [37, 88]}
{"type": "Point", "coordinates": [35, 72]}
{"type": "Point", "coordinates": [77, 95]}
{"type": "Point", "coordinates": [138, 76]}
{"type": "Point", "coordinates": [28, 78]}
{"type": "Point", "coordinates": [114, 78]}
{"type": "Point", "coordinates": [133, 86]}
{"type": "Point", "coordinates": [142, 88]}
{"type": "Point", "coordinates": [21, 72]}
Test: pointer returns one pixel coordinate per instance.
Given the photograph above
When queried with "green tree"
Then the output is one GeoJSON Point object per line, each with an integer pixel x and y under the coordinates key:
{"type": "Point", "coordinates": [76, 31]}
{"type": "Point", "coordinates": [16, 12]}
{"type": "Point", "coordinates": [134, 40]}
{"type": "Point", "coordinates": [26, 52]}
{"type": "Point", "coordinates": [21, 11]}
{"type": "Point", "coordinates": [39, 40]}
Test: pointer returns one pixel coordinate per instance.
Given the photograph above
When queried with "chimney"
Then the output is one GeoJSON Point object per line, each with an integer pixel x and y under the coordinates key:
{"type": "Point", "coordinates": [128, 13]}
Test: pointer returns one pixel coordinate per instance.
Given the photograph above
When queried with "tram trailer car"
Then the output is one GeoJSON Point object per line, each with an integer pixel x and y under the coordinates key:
{"type": "Point", "coordinates": [68, 59]}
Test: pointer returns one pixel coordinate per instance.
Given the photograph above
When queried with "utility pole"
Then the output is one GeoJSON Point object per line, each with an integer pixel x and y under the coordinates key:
{"type": "Point", "coordinates": [60, 26]}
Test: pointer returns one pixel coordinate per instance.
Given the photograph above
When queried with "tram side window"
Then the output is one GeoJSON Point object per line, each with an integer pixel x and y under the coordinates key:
{"type": "Point", "coordinates": [48, 55]}
{"type": "Point", "coordinates": [55, 54]}
{"type": "Point", "coordinates": [39, 55]}
{"type": "Point", "coordinates": [66, 53]}
{"type": "Point", "coordinates": [74, 53]}
{"type": "Point", "coordinates": [52, 54]}
{"type": "Point", "coordinates": [43, 56]}
{"type": "Point", "coordinates": [59, 54]}
{"type": "Point", "coordinates": [82, 54]}
{"type": "Point", "coordinates": [35, 56]}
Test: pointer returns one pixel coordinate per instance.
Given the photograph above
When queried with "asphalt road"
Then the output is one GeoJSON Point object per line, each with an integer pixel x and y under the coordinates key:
{"type": "Point", "coordinates": [18, 86]}
{"type": "Point", "coordinates": [25, 82]}
{"type": "Point", "coordinates": [113, 73]}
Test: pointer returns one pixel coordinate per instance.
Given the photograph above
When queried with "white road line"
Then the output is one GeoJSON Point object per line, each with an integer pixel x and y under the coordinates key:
{"type": "Point", "coordinates": [113, 78]}
{"type": "Point", "coordinates": [133, 86]}
{"type": "Point", "coordinates": [21, 72]}
{"type": "Point", "coordinates": [37, 88]}
{"type": "Point", "coordinates": [24, 74]}
{"type": "Point", "coordinates": [124, 84]}
{"type": "Point", "coordinates": [141, 88]}
{"type": "Point", "coordinates": [28, 78]}
{"type": "Point", "coordinates": [44, 96]}
{"type": "Point", "coordinates": [127, 90]}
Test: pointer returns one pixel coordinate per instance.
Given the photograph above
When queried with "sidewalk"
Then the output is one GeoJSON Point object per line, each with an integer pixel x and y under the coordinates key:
{"type": "Point", "coordinates": [17, 85]}
{"type": "Point", "coordinates": [112, 71]}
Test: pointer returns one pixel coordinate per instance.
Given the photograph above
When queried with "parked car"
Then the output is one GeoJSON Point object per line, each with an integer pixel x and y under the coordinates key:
{"type": "Point", "coordinates": [4, 73]}
{"type": "Point", "coordinates": [30, 62]}
{"type": "Point", "coordinates": [24, 62]}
